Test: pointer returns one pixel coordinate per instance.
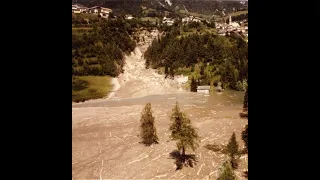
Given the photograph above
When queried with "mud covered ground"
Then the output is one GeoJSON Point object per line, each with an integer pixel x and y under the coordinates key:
{"type": "Point", "coordinates": [105, 142]}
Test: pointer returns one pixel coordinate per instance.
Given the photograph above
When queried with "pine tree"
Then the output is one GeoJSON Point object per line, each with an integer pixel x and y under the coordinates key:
{"type": "Point", "coordinates": [226, 172]}
{"type": "Point", "coordinates": [171, 72]}
{"type": "Point", "coordinates": [244, 136]}
{"type": "Point", "coordinates": [147, 129]}
{"type": "Point", "coordinates": [183, 131]}
{"type": "Point", "coordinates": [193, 85]}
{"type": "Point", "coordinates": [233, 150]}
{"type": "Point", "coordinates": [245, 102]}
{"type": "Point", "coordinates": [166, 70]}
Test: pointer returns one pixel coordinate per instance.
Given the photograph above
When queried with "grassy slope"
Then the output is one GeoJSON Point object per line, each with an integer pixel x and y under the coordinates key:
{"type": "Point", "coordinates": [96, 87]}
{"type": "Point", "coordinates": [207, 16]}
{"type": "Point", "coordinates": [151, 19]}
{"type": "Point", "coordinates": [238, 13]}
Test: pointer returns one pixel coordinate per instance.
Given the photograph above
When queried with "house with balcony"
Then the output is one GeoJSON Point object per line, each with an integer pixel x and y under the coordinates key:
{"type": "Point", "coordinates": [100, 11]}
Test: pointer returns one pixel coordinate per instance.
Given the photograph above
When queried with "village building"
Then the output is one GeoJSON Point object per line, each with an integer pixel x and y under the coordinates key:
{"type": "Point", "coordinates": [233, 24]}
{"type": "Point", "coordinates": [222, 32]}
{"type": "Point", "coordinates": [143, 7]}
{"type": "Point", "coordinates": [79, 8]}
{"type": "Point", "coordinates": [100, 11]}
{"type": "Point", "coordinates": [186, 19]}
{"type": "Point", "coordinates": [129, 17]}
{"type": "Point", "coordinates": [75, 9]}
{"type": "Point", "coordinates": [196, 19]}
{"type": "Point", "coordinates": [168, 21]}
{"type": "Point", "coordinates": [203, 89]}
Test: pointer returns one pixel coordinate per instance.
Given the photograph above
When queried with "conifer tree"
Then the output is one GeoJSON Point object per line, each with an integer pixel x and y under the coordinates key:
{"type": "Point", "coordinates": [193, 85]}
{"type": "Point", "coordinates": [233, 150]}
{"type": "Point", "coordinates": [245, 102]}
{"type": "Point", "coordinates": [166, 70]}
{"type": "Point", "coordinates": [183, 131]}
{"type": "Point", "coordinates": [148, 131]}
{"type": "Point", "coordinates": [171, 72]}
{"type": "Point", "coordinates": [244, 136]}
{"type": "Point", "coordinates": [226, 172]}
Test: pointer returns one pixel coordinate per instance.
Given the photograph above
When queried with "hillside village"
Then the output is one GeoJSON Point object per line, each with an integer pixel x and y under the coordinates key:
{"type": "Point", "coordinates": [225, 28]}
{"type": "Point", "coordinates": [240, 27]}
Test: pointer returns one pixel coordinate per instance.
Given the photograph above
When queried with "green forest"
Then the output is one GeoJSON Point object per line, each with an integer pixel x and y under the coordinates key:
{"type": "Point", "coordinates": [219, 58]}
{"type": "Point", "coordinates": [99, 51]}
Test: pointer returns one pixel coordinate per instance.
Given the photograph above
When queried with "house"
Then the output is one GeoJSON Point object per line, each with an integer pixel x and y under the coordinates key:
{"type": "Point", "coordinates": [143, 7]}
{"type": "Point", "coordinates": [186, 19]}
{"type": "Point", "coordinates": [79, 8]}
{"type": "Point", "coordinates": [167, 21]}
{"type": "Point", "coordinates": [100, 11]}
{"type": "Point", "coordinates": [222, 32]}
{"type": "Point", "coordinates": [128, 17]}
{"type": "Point", "coordinates": [83, 9]}
{"type": "Point", "coordinates": [197, 19]}
{"type": "Point", "coordinates": [75, 9]}
{"type": "Point", "coordinates": [203, 89]}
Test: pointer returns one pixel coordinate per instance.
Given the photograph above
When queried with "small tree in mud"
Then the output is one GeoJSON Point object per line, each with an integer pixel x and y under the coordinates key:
{"type": "Point", "coordinates": [226, 172]}
{"type": "Point", "coordinates": [233, 150]}
{"type": "Point", "coordinates": [183, 131]}
{"type": "Point", "coordinates": [148, 131]}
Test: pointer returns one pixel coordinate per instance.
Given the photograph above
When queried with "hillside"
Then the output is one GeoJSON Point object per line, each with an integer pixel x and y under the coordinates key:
{"type": "Point", "coordinates": [196, 6]}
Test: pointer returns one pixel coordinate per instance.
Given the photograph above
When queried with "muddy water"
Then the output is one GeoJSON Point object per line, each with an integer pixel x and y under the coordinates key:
{"type": "Point", "coordinates": [220, 101]}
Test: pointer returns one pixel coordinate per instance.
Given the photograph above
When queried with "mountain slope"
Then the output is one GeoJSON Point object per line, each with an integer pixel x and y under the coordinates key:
{"type": "Point", "coordinates": [199, 6]}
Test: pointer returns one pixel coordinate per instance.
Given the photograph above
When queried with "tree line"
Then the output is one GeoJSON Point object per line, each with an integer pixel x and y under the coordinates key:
{"type": "Point", "coordinates": [84, 20]}
{"type": "Point", "coordinates": [225, 57]}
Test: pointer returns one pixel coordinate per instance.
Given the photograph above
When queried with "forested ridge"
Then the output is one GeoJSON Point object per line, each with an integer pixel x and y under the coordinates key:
{"type": "Point", "coordinates": [99, 51]}
{"type": "Point", "coordinates": [219, 58]}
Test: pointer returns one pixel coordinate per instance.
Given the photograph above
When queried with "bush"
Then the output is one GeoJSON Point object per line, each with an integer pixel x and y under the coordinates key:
{"type": "Point", "coordinates": [239, 86]}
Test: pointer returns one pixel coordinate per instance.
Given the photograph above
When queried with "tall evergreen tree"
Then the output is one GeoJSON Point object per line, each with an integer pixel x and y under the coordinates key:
{"type": "Point", "coordinates": [171, 72]}
{"type": "Point", "coordinates": [193, 85]}
{"type": "Point", "coordinates": [233, 150]}
{"type": "Point", "coordinates": [244, 136]}
{"type": "Point", "coordinates": [148, 131]}
{"type": "Point", "coordinates": [226, 172]}
{"type": "Point", "coordinates": [245, 102]}
{"type": "Point", "coordinates": [166, 70]}
{"type": "Point", "coordinates": [183, 131]}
